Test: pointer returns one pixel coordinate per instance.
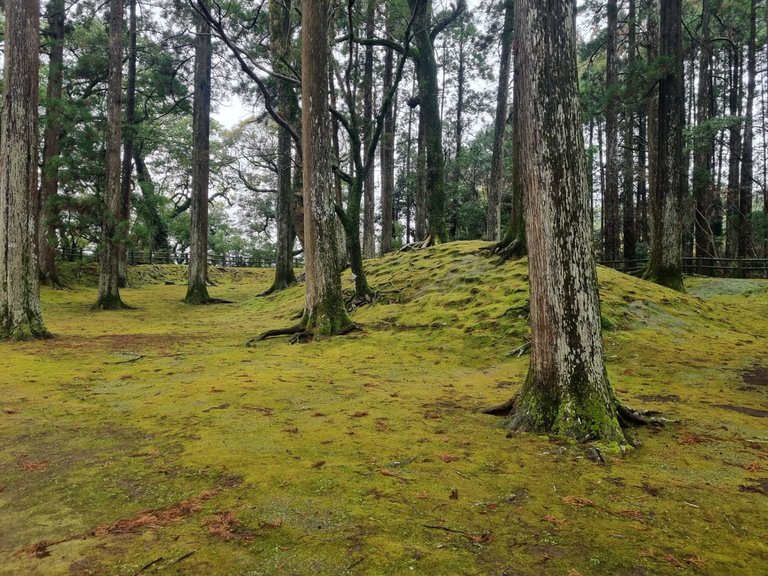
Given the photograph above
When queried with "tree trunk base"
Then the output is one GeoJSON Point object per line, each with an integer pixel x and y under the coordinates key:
{"type": "Point", "coordinates": [507, 249]}
{"type": "Point", "coordinates": [111, 303]}
{"type": "Point", "coordinates": [420, 245]}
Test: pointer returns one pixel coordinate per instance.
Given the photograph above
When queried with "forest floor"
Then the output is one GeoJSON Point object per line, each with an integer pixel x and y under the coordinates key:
{"type": "Point", "coordinates": [152, 441]}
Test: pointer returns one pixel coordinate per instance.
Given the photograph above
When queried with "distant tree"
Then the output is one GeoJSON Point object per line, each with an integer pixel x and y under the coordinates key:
{"type": "Point", "coordinates": [665, 265]}
{"type": "Point", "coordinates": [747, 160]}
{"type": "Point", "coordinates": [20, 316]}
{"type": "Point", "coordinates": [497, 181]}
{"type": "Point", "coordinates": [56, 16]}
{"type": "Point", "coordinates": [611, 238]}
{"type": "Point", "coordinates": [567, 389]}
{"type": "Point", "coordinates": [197, 290]}
{"type": "Point", "coordinates": [113, 228]}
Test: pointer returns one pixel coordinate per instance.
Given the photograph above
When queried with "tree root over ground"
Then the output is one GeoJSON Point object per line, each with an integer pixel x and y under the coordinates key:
{"type": "Point", "coordinates": [420, 245]}
{"type": "Point", "coordinates": [299, 334]}
{"type": "Point", "coordinates": [506, 250]}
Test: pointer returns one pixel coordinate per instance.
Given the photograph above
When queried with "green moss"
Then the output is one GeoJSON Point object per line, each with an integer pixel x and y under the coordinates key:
{"type": "Point", "coordinates": [342, 444]}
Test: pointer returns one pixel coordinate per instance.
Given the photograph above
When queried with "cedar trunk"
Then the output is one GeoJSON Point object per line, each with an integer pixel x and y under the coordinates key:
{"type": "Point", "coordinates": [611, 196]}
{"type": "Point", "coordinates": [567, 390]}
{"type": "Point", "coordinates": [324, 311]}
{"type": "Point", "coordinates": [197, 290]}
{"type": "Point", "coordinates": [20, 316]}
{"type": "Point", "coordinates": [52, 144]}
{"type": "Point", "coordinates": [112, 228]}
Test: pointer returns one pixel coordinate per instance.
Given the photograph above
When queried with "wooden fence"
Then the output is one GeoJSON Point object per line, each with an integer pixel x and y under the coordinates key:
{"type": "Point", "coordinates": [719, 267]}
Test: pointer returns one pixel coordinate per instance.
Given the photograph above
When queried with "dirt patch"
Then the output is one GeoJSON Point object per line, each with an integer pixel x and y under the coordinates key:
{"type": "Point", "coordinates": [758, 486]}
{"type": "Point", "coordinates": [757, 376]}
{"type": "Point", "coordinates": [744, 410]}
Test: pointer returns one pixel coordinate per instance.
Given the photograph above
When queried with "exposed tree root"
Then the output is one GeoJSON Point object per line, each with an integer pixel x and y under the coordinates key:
{"type": "Point", "coordinates": [520, 350]}
{"type": "Point", "coordinates": [353, 300]}
{"type": "Point", "coordinates": [276, 287]}
{"type": "Point", "coordinates": [506, 249]}
{"type": "Point", "coordinates": [502, 409]}
{"type": "Point", "coordinates": [299, 334]}
{"type": "Point", "coordinates": [420, 245]}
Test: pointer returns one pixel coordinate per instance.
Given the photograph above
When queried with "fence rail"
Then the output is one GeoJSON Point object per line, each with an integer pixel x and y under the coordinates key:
{"type": "Point", "coordinates": [168, 257]}
{"type": "Point", "coordinates": [720, 267]}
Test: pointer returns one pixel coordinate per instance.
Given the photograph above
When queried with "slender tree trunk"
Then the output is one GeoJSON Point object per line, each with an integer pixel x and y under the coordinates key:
{"type": "Point", "coordinates": [747, 169]}
{"type": "Point", "coordinates": [157, 223]}
{"type": "Point", "coordinates": [112, 225]}
{"type": "Point", "coordinates": [324, 311]}
{"type": "Point", "coordinates": [20, 316]}
{"type": "Point", "coordinates": [369, 243]}
{"type": "Point", "coordinates": [280, 30]}
{"type": "Point", "coordinates": [703, 146]}
{"type": "Point", "coordinates": [642, 179]}
{"type": "Point", "coordinates": [665, 264]}
{"type": "Point", "coordinates": [567, 389]}
{"type": "Point", "coordinates": [628, 191]}
{"type": "Point", "coordinates": [128, 144]}
{"type": "Point", "coordinates": [52, 144]}
{"type": "Point", "coordinates": [422, 194]}
{"type": "Point", "coordinates": [387, 160]}
{"type": "Point", "coordinates": [197, 290]}
{"type": "Point", "coordinates": [497, 182]}
{"type": "Point", "coordinates": [733, 219]}
{"type": "Point", "coordinates": [611, 197]}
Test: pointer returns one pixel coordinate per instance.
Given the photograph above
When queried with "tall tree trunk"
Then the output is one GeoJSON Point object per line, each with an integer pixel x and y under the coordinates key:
{"type": "Point", "coordinates": [567, 389]}
{"type": "Point", "coordinates": [611, 197]}
{"type": "Point", "coordinates": [497, 182]}
{"type": "Point", "coordinates": [197, 290]}
{"type": "Point", "coordinates": [641, 218]}
{"type": "Point", "coordinates": [158, 224]}
{"type": "Point", "coordinates": [733, 220]}
{"type": "Point", "coordinates": [387, 160]}
{"type": "Point", "coordinates": [430, 126]}
{"type": "Point", "coordinates": [128, 143]}
{"type": "Point", "coordinates": [112, 225]}
{"type": "Point", "coordinates": [280, 44]}
{"type": "Point", "coordinates": [52, 143]}
{"type": "Point", "coordinates": [628, 191]}
{"type": "Point", "coordinates": [369, 242]}
{"type": "Point", "coordinates": [20, 316]}
{"type": "Point", "coordinates": [747, 169]}
{"type": "Point", "coordinates": [422, 193]}
{"type": "Point", "coordinates": [324, 311]}
{"type": "Point", "coordinates": [665, 265]}
{"type": "Point", "coordinates": [703, 149]}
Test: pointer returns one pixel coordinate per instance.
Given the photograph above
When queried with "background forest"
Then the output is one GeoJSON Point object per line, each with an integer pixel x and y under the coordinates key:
{"type": "Point", "coordinates": [724, 51]}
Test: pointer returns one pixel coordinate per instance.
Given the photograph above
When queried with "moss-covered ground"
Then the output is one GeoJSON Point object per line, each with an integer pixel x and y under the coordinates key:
{"type": "Point", "coordinates": [152, 441]}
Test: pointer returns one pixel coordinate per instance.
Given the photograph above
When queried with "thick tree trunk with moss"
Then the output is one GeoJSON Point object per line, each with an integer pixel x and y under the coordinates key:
{"type": "Point", "coordinates": [112, 227]}
{"type": "Point", "coordinates": [20, 316]}
{"type": "Point", "coordinates": [497, 181]}
{"type": "Point", "coordinates": [665, 265]}
{"type": "Point", "coordinates": [129, 136]}
{"type": "Point", "coordinates": [197, 290]}
{"type": "Point", "coordinates": [49, 186]}
{"type": "Point", "coordinates": [567, 390]}
{"type": "Point", "coordinates": [611, 240]}
{"type": "Point", "coordinates": [324, 311]}
{"type": "Point", "coordinates": [369, 212]}
{"type": "Point", "coordinates": [280, 31]}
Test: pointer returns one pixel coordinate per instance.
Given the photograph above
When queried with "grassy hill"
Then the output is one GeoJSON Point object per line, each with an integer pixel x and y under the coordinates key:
{"type": "Point", "coordinates": [152, 441]}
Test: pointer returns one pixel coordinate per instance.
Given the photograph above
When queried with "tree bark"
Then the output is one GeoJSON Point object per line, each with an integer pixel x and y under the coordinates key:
{"type": "Point", "coordinates": [128, 143]}
{"type": "Point", "coordinates": [280, 31]}
{"type": "Point", "coordinates": [704, 146]}
{"type": "Point", "coordinates": [567, 390]}
{"type": "Point", "coordinates": [324, 311]}
{"type": "Point", "coordinates": [20, 316]}
{"type": "Point", "coordinates": [52, 144]}
{"type": "Point", "coordinates": [387, 160]}
{"type": "Point", "coordinates": [112, 225]}
{"type": "Point", "coordinates": [369, 243]}
{"type": "Point", "coordinates": [611, 196]}
{"type": "Point", "coordinates": [197, 290]}
{"type": "Point", "coordinates": [497, 182]}
{"type": "Point", "coordinates": [747, 169]}
{"type": "Point", "coordinates": [628, 190]}
{"type": "Point", "coordinates": [665, 265]}
{"type": "Point", "coordinates": [733, 220]}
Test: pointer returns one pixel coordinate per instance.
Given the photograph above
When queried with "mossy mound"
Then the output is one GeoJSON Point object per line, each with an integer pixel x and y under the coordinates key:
{"type": "Point", "coordinates": [152, 441]}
